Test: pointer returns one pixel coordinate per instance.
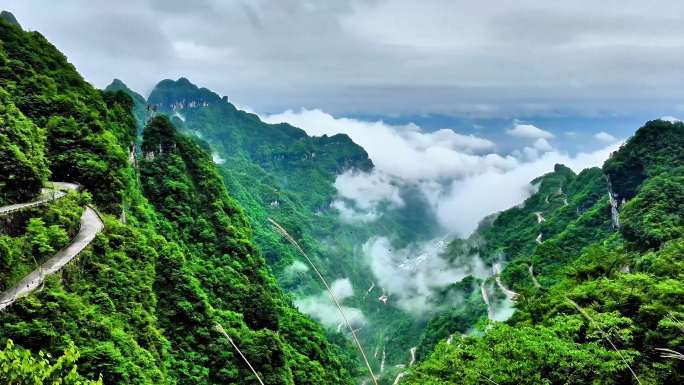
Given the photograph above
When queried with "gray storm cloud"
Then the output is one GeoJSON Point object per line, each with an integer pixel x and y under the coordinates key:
{"type": "Point", "coordinates": [436, 56]}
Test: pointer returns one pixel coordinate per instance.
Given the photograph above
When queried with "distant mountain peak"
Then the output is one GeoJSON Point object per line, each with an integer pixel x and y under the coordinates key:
{"type": "Point", "coordinates": [9, 17]}
{"type": "Point", "coordinates": [182, 93]}
{"type": "Point", "coordinates": [185, 81]}
{"type": "Point", "coordinates": [119, 85]}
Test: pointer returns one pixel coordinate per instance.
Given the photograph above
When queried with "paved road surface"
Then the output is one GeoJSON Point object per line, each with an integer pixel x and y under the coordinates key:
{"type": "Point", "coordinates": [91, 225]}
{"type": "Point", "coordinates": [47, 195]}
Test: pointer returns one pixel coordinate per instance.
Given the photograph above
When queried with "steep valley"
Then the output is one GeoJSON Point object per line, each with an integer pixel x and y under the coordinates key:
{"type": "Point", "coordinates": [176, 239]}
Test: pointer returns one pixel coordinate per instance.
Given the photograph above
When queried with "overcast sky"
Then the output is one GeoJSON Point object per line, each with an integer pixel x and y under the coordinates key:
{"type": "Point", "coordinates": [490, 58]}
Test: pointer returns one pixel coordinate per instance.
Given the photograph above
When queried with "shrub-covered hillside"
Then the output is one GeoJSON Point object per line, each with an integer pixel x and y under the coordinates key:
{"type": "Point", "coordinates": [600, 298]}
{"type": "Point", "coordinates": [513, 238]}
{"type": "Point", "coordinates": [278, 171]}
{"type": "Point", "coordinates": [141, 303]}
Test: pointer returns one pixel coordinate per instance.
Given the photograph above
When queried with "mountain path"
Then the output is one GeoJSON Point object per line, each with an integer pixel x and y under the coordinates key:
{"type": "Point", "coordinates": [91, 225]}
{"type": "Point", "coordinates": [47, 195]}
{"type": "Point", "coordinates": [497, 277]}
{"type": "Point", "coordinates": [534, 279]}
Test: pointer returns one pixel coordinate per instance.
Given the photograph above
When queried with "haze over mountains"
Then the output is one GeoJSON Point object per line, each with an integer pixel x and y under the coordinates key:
{"type": "Point", "coordinates": [578, 67]}
{"type": "Point", "coordinates": [504, 253]}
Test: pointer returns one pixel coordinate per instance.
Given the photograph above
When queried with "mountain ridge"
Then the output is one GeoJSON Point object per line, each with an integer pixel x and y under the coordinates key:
{"type": "Point", "coordinates": [589, 291]}
{"type": "Point", "coordinates": [142, 301]}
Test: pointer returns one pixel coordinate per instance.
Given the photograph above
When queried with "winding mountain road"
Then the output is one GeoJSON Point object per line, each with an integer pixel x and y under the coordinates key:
{"type": "Point", "coordinates": [497, 277]}
{"type": "Point", "coordinates": [47, 195]}
{"type": "Point", "coordinates": [534, 279]}
{"type": "Point", "coordinates": [91, 225]}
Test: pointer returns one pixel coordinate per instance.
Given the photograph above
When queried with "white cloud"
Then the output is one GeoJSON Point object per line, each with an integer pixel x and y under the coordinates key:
{"type": "Point", "coordinates": [323, 309]}
{"type": "Point", "coordinates": [350, 214]}
{"type": "Point", "coordinates": [528, 131]}
{"type": "Point", "coordinates": [367, 189]}
{"type": "Point", "coordinates": [296, 267]}
{"type": "Point", "coordinates": [461, 183]}
{"type": "Point", "coordinates": [217, 158]}
{"type": "Point", "coordinates": [402, 151]}
{"type": "Point", "coordinates": [605, 137]}
{"type": "Point", "coordinates": [466, 201]}
{"type": "Point", "coordinates": [342, 289]}
{"type": "Point", "coordinates": [543, 145]}
{"type": "Point", "coordinates": [670, 119]}
{"type": "Point", "coordinates": [447, 139]}
{"type": "Point", "coordinates": [411, 275]}
{"type": "Point", "coordinates": [409, 56]}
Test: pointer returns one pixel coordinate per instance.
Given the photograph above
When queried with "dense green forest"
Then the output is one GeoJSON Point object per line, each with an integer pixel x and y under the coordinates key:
{"type": "Point", "coordinates": [189, 283]}
{"type": "Point", "coordinates": [140, 305]}
{"type": "Point", "coordinates": [269, 169]}
{"type": "Point", "coordinates": [600, 299]}
{"type": "Point", "coordinates": [278, 171]}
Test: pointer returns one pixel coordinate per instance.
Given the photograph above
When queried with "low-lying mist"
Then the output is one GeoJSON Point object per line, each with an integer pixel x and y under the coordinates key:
{"type": "Point", "coordinates": [321, 308]}
{"type": "Point", "coordinates": [461, 178]}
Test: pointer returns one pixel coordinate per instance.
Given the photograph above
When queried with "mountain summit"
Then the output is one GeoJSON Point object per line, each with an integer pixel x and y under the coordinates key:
{"type": "Point", "coordinates": [9, 17]}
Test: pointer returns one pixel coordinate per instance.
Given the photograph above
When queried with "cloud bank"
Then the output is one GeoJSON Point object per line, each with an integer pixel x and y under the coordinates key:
{"type": "Point", "coordinates": [409, 276]}
{"type": "Point", "coordinates": [605, 137]}
{"type": "Point", "coordinates": [529, 131]}
{"type": "Point", "coordinates": [404, 152]}
{"type": "Point", "coordinates": [322, 308]}
{"type": "Point", "coordinates": [409, 57]}
{"type": "Point", "coordinates": [461, 177]}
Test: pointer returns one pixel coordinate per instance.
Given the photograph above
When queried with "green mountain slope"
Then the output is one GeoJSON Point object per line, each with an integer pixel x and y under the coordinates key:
{"type": "Point", "coordinates": [86, 129]}
{"type": "Point", "coordinates": [595, 301]}
{"type": "Point", "coordinates": [512, 237]}
{"type": "Point", "coordinates": [176, 258]}
{"type": "Point", "coordinates": [139, 110]}
{"type": "Point", "coordinates": [278, 171]}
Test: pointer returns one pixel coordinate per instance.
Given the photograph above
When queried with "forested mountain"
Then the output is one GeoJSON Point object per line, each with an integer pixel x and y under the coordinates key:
{"type": "Point", "coordinates": [139, 108]}
{"type": "Point", "coordinates": [598, 278]}
{"type": "Point", "coordinates": [157, 261]}
{"type": "Point", "coordinates": [278, 171]}
{"type": "Point", "coordinates": [269, 169]}
{"type": "Point", "coordinates": [143, 301]}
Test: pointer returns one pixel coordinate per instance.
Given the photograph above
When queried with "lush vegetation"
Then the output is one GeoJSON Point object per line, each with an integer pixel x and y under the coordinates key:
{"type": "Point", "coordinates": [32, 236]}
{"type": "Point", "coordinates": [180, 179]}
{"type": "Point", "coordinates": [18, 366]}
{"type": "Point", "coordinates": [86, 130]}
{"type": "Point", "coordinates": [23, 167]}
{"type": "Point", "coordinates": [187, 247]}
{"type": "Point", "coordinates": [139, 104]}
{"type": "Point", "coordinates": [176, 258]}
{"type": "Point", "coordinates": [278, 171]}
{"type": "Point", "coordinates": [606, 300]}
